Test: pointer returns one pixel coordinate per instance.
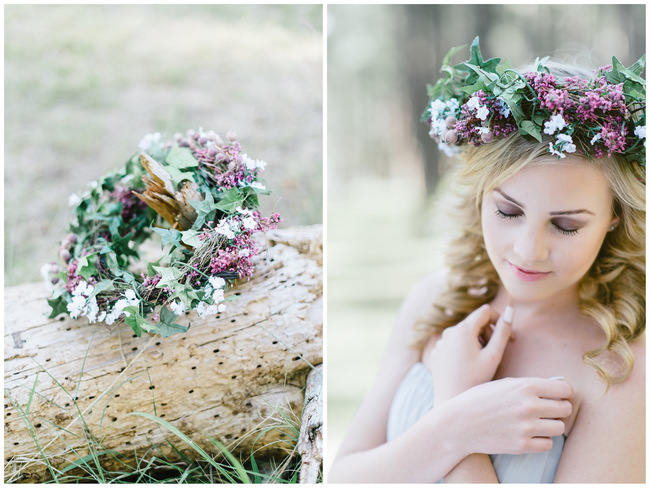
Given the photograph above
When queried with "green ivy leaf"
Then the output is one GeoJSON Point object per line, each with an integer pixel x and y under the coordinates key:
{"type": "Point", "coordinates": [168, 276]}
{"type": "Point", "coordinates": [177, 175]}
{"type": "Point", "coordinates": [191, 238]}
{"type": "Point", "coordinates": [476, 61]}
{"type": "Point", "coordinates": [168, 236]}
{"type": "Point", "coordinates": [103, 285]}
{"type": "Point", "coordinates": [86, 269]}
{"type": "Point", "coordinates": [529, 127]}
{"type": "Point", "coordinates": [181, 157]}
{"type": "Point", "coordinates": [168, 325]}
{"type": "Point", "coordinates": [135, 320]}
{"type": "Point", "coordinates": [59, 305]}
{"type": "Point", "coordinates": [204, 209]}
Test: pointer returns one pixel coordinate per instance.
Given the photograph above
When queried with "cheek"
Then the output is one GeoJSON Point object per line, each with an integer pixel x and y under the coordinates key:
{"type": "Point", "coordinates": [577, 255]}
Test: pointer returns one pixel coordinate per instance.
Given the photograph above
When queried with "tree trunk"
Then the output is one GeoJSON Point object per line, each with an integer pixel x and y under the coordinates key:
{"type": "Point", "coordinates": [224, 379]}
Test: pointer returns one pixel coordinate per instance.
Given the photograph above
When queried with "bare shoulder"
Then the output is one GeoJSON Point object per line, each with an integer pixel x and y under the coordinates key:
{"type": "Point", "coordinates": [607, 442]}
{"type": "Point", "coordinates": [420, 300]}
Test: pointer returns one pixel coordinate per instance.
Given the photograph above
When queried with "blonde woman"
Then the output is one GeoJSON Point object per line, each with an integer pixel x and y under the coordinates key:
{"type": "Point", "coordinates": [524, 361]}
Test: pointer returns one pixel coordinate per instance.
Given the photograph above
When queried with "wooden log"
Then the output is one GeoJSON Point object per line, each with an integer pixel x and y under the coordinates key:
{"type": "Point", "coordinates": [224, 378]}
{"type": "Point", "coordinates": [310, 441]}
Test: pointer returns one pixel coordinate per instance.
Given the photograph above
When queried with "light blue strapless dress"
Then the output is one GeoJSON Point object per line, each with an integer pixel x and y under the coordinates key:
{"type": "Point", "coordinates": [414, 398]}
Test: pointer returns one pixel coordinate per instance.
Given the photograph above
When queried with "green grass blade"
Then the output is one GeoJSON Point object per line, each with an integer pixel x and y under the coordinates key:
{"type": "Point", "coordinates": [187, 440]}
{"type": "Point", "coordinates": [239, 468]}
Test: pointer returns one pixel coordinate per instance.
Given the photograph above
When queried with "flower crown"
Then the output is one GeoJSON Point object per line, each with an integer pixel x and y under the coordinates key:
{"type": "Point", "coordinates": [477, 101]}
{"type": "Point", "coordinates": [206, 189]}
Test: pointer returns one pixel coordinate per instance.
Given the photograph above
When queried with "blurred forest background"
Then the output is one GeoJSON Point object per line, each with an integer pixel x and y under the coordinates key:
{"type": "Point", "coordinates": [84, 83]}
{"type": "Point", "coordinates": [383, 168]}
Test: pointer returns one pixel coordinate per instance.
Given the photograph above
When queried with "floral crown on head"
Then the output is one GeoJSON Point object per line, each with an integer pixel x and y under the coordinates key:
{"type": "Point", "coordinates": [479, 100]}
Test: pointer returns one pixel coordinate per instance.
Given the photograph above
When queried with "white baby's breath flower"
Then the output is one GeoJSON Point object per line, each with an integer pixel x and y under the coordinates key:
{"type": "Point", "coordinates": [253, 163]}
{"type": "Point", "coordinates": [483, 130]}
{"type": "Point", "coordinates": [258, 185]}
{"type": "Point", "coordinates": [74, 200]}
{"type": "Point", "coordinates": [482, 112]}
{"type": "Point", "coordinates": [473, 103]}
{"type": "Point", "coordinates": [452, 104]}
{"type": "Point", "coordinates": [447, 149]}
{"type": "Point", "coordinates": [221, 308]}
{"type": "Point", "coordinates": [218, 296]}
{"type": "Point", "coordinates": [594, 139]}
{"type": "Point", "coordinates": [244, 211]}
{"type": "Point", "coordinates": [46, 270]}
{"type": "Point", "coordinates": [567, 141]}
{"type": "Point", "coordinates": [249, 223]}
{"type": "Point", "coordinates": [552, 150]}
{"type": "Point", "coordinates": [555, 123]}
{"type": "Point", "coordinates": [217, 281]}
{"type": "Point", "coordinates": [224, 229]}
{"type": "Point", "coordinates": [639, 131]}
{"type": "Point", "coordinates": [504, 110]}
{"type": "Point", "coordinates": [177, 307]}
{"type": "Point", "coordinates": [149, 140]}
{"type": "Point", "coordinates": [244, 253]}
{"type": "Point", "coordinates": [437, 106]}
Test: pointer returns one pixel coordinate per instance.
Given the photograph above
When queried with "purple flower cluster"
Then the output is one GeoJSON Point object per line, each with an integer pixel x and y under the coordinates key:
{"type": "Point", "coordinates": [477, 131]}
{"type": "Point", "coordinates": [224, 160]}
{"type": "Point", "coordinates": [131, 205]}
{"type": "Point", "coordinates": [238, 254]}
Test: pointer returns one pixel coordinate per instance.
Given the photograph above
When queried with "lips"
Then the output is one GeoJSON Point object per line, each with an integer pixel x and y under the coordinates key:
{"type": "Point", "coordinates": [528, 274]}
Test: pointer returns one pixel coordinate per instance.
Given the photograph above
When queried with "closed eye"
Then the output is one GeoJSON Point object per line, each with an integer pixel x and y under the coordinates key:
{"type": "Point", "coordinates": [569, 231]}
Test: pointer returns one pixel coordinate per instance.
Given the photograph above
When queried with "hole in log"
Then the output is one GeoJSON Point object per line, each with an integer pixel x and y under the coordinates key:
{"type": "Point", "coordinates": [8, 414]}
{"type": "Point", "coordinates": [151, 387]}
{"type": "Point", "coordinates": [76, 398]}
{"type": "Point", "coordinates": [215, 350]}
{"type": "Point", "coordinates": [128, 443]}
{"type": "Point", "coordinates": [134, 335]}
{"type": "Point", "coordinates": [274, 342]}
{"type": "Point", "coordinates": [38, 426]}
{"type": "Point", "coordinates": [232, 320]}
{"type": "Point", "coordinates": [15, 443]}
{"type": "Point", "coordinates": [164, 404]}
{"type": "Point", "coordinates": [48, 359]}
{"type": "Point", "coordinates": [249, 404]}
{"type": "Point", "coordinates": [157, 343]}
{"type": "Point", "coordinates": [243, 429]}
{"type": "Point", "coordinates": [134, 348]}
{"type": "Point", "coordinates": [296, 358]}
{"type": "Point", "coordinates": [67, 404]}
{"type": "Point", "coordinates": [162, 415]}
{"type": "Point", "coordinates": [233, 377]}
{"type": "Point", "coordinates": [193, 367]}
{"type": "Point", "coordinates": [259, 366]}
{"type": "Point", "coordinates": [69, 328]}
{"type": "Point", "coordinates": [216, 416]}
{"type": "Point", "coordinates": [228, 436]}
{"type": "Point", "coordinates": [191, 391]}
{"type": "Point", "coordinates": [117, 395]}
{"type": "Point", "coordinates": [187, 313]}
{"type": "Point", "coordinates": [61, 319]}
{"type": "Point", "coordinates": [121, 369]}
{"type": "Point", "coordinates": [220, 363]}
{"type": "Point", "coordinates": [91, 397]}
{"type": "Point", "coordinates": [66, 378]}
{"type": "Point", "coordinates": [238, 293]}
{"type": "Point", "coordinates": [114, 419]}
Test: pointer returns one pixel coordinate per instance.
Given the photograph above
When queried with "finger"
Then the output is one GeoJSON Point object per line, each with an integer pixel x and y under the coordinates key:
{"type": "Point", "coordinates": [557, 389]}
{"type": "Point", "coordinates": [553, 409]}
{"type": "Point", "coordinates": [549, 428]}
{"type": "Point", "coordinates": [480, 317]}
{"type": "Point", "coordinates": [539, 444]}
{"type": "Point", "coordinates": [499, 339]}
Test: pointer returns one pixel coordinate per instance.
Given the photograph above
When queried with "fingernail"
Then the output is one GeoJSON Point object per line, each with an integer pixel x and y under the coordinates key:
{"type": "Point", "coordinates": [508, 313]}
{"type": "Point", "coordinates": [557, 378]}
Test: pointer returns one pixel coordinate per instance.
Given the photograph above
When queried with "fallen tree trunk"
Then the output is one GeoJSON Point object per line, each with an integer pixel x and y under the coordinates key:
{"type": "Point", "coordinates": [226, 378]}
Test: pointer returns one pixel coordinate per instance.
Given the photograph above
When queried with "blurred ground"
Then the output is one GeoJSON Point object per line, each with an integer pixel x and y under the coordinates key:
{"type": "Point", "coordinates": [83, 84]}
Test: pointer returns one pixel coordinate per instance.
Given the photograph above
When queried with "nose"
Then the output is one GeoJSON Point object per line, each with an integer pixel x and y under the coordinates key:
{"type": "Point", "coordinates": [531, 245]}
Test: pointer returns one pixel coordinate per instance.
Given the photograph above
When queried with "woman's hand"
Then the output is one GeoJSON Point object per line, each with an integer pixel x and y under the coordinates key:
{"type": "Point", "coordinates": [510, 415]}
{"type": "Point", "coordinates": [459, 361]}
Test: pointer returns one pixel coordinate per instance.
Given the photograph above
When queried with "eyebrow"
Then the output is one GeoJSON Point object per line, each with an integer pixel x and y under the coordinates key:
{"type": "Point", "coordinates": [561, 212]}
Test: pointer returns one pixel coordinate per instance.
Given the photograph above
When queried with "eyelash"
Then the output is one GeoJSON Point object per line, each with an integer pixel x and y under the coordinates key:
{"type": "Point", "coordinates": [506, 216]}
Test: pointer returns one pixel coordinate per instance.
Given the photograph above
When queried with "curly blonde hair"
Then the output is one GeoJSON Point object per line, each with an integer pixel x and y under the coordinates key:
{"type": "Point", "coordinates": [612, 292]}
